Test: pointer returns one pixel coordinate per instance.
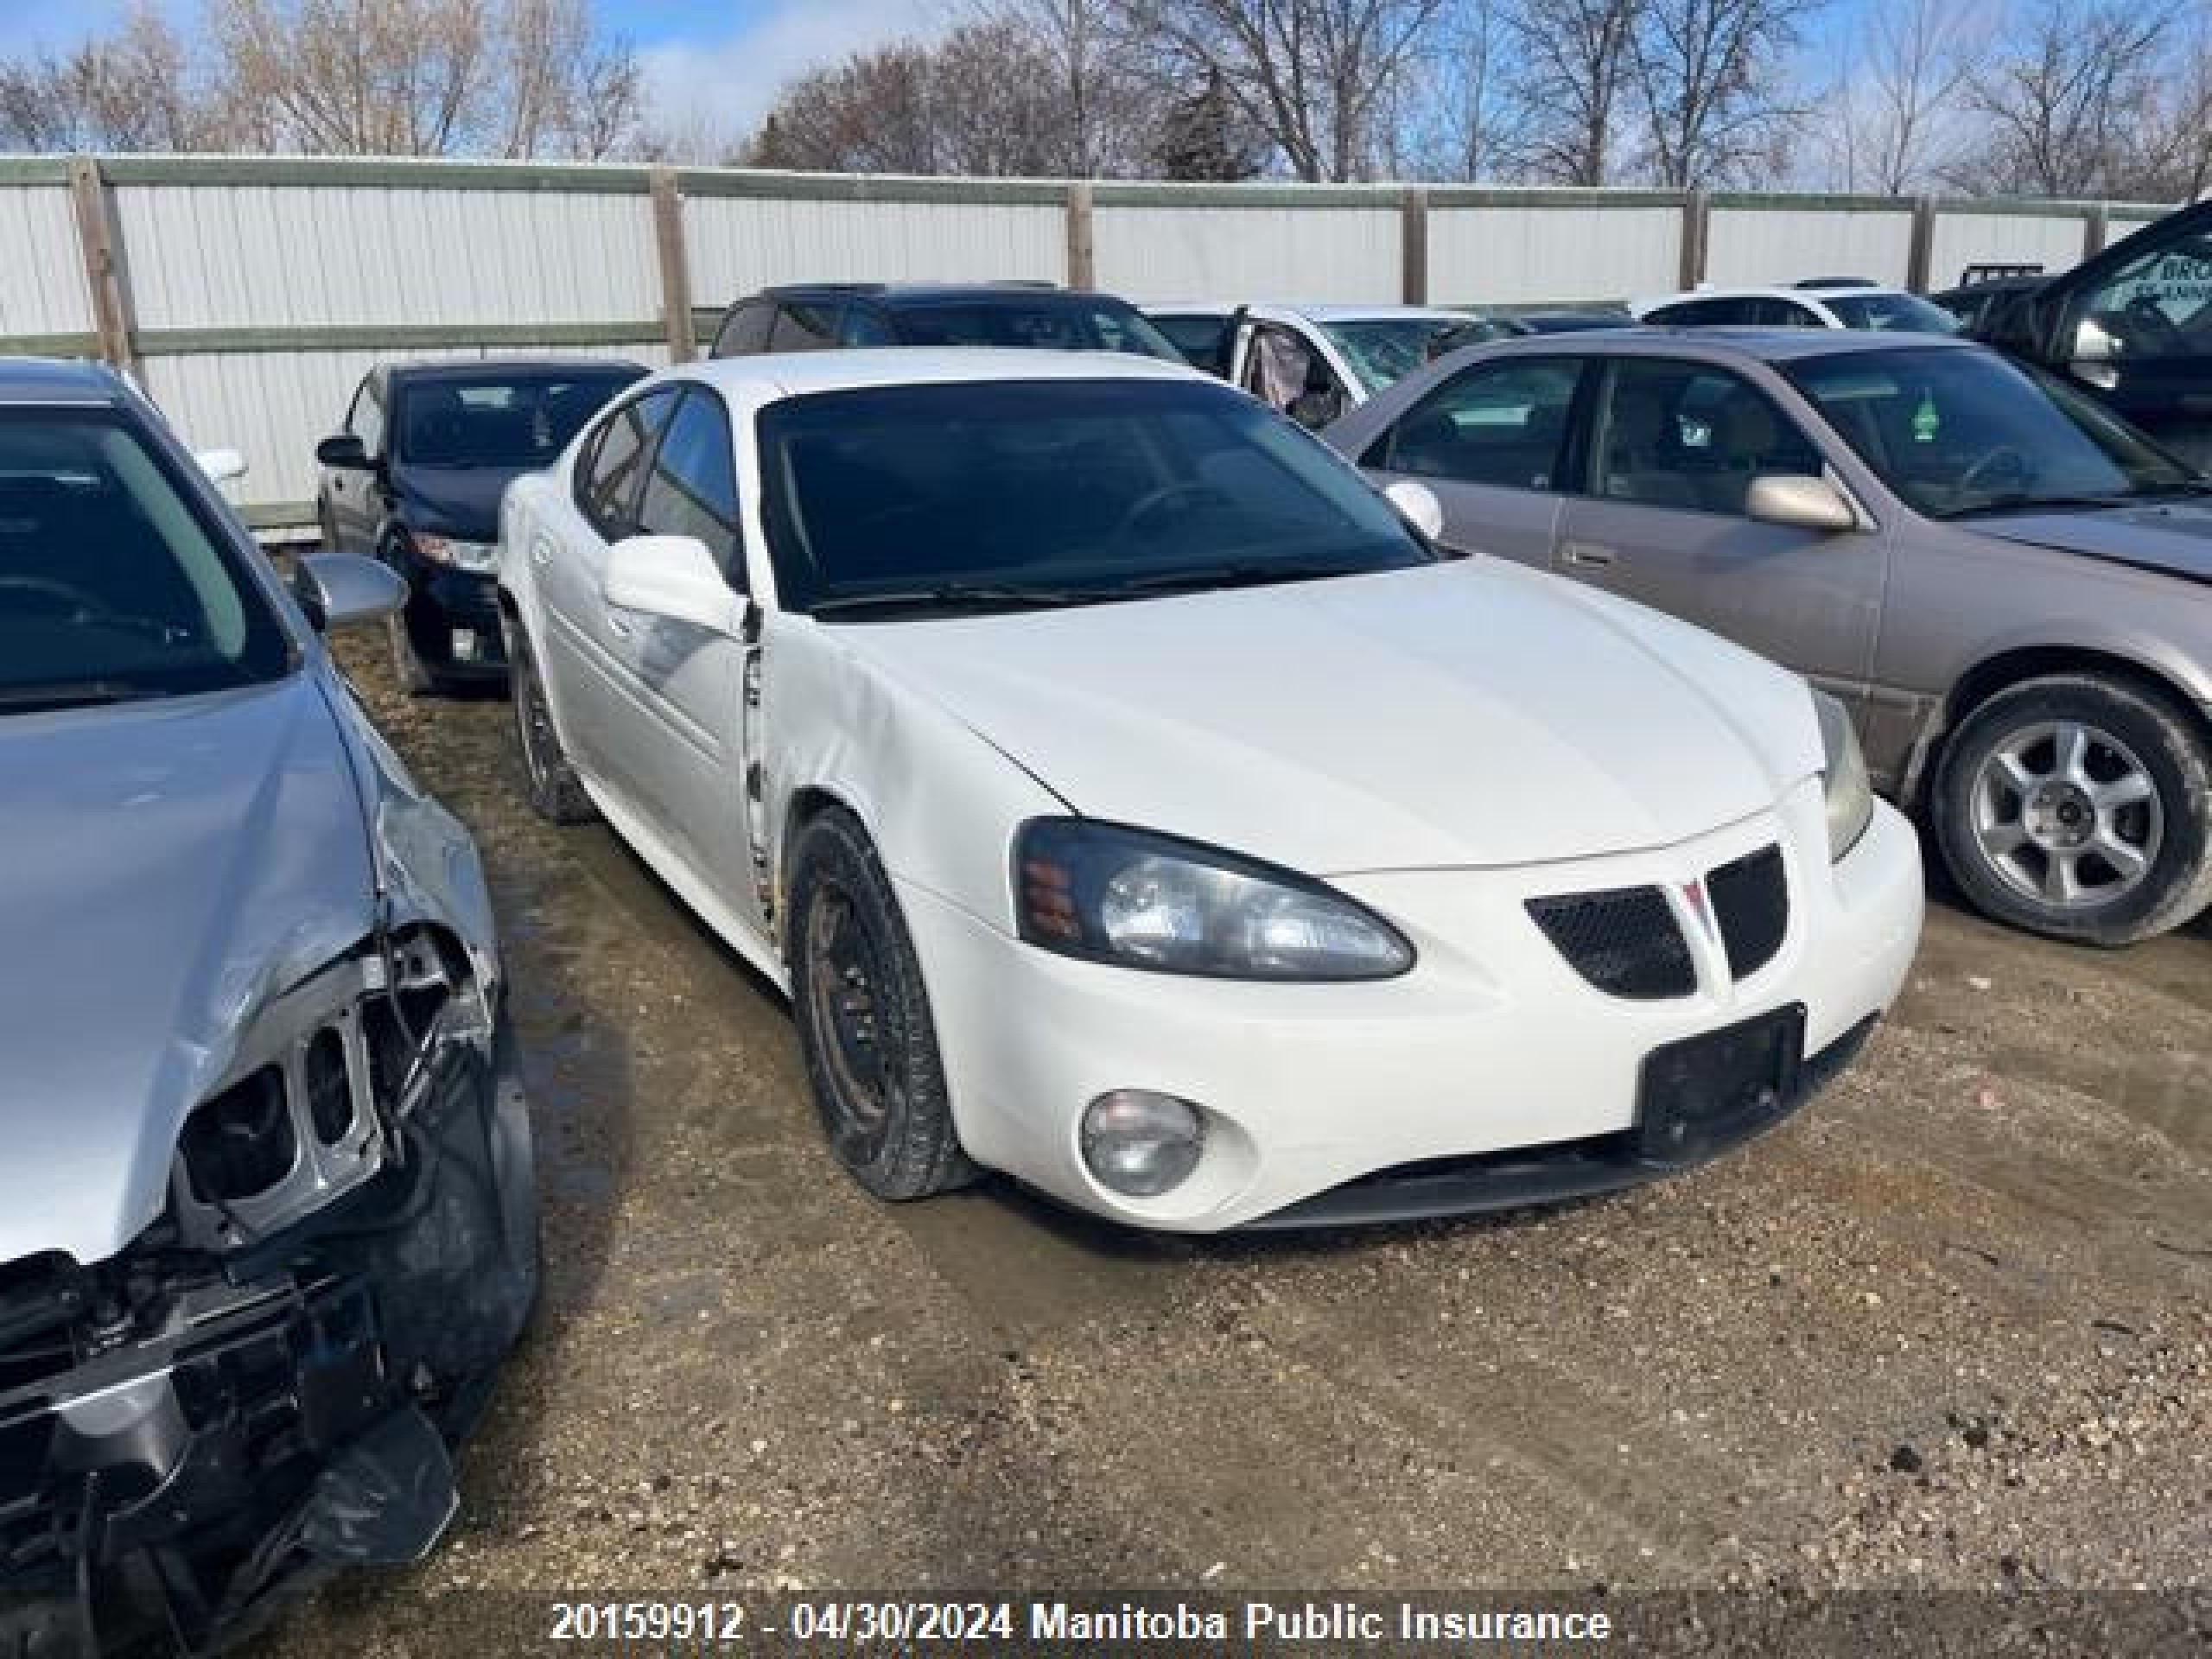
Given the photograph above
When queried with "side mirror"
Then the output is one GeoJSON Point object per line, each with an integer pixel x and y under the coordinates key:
{"type": "Point", "coordinates": [2093, 351]}
{"type": "Point", "coordinates": [223, 465]}
{"type": "Point", "coordinates": [343, 590]}
{"type": "Point", "coordinates": [344, 450]}
{"type": "Point", "coordinates": [674, 577]}
{"type": "Point", "coordinates": [1316, 409]}
{"type": "Point", "coordinates": [1800, 501]}
{"type": "Point", "coordinates": [1418, 505]}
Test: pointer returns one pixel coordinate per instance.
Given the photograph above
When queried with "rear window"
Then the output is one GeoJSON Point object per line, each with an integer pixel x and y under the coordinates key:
{"type": "Point", "coordinates": [1059, 324]}
{"type": "Point", "coordinates": [503, 422]}
{"type": "Point", "coordinates": [115, 584]}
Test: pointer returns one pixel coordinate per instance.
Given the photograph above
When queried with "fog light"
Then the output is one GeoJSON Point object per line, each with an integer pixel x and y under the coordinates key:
{"type": "Point", "coordinates": [1141, 1144]}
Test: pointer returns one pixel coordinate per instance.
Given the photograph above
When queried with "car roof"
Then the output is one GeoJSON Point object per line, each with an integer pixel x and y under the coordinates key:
{"type": "Point", "coordinates": [1265, 309]}
{"type": "Point", "coordinates": [58, 380]}
{"type": "Point", "coordinates": [518, 368]}
{"type": "Point", "coordinates": [1778, 291]}
{"type": "Point", "coordinates": [770, 375]}
{"type": "Point", "coordinates": [929, 292]}
{"type": "Point", "coordinates": [1721, 345]}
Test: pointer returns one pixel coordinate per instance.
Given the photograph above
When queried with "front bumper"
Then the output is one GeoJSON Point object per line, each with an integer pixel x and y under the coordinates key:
{"type": "Point", "coordinates": [171, 1494]}
{"type": "Point", "coordinates": [1493, 1044]}
{"type": "Point", "coordinates": [453, 618]}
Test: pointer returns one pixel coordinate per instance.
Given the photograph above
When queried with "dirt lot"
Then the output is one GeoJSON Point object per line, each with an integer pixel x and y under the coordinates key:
{"type": "Point", "coordinates": [1947, 1337]}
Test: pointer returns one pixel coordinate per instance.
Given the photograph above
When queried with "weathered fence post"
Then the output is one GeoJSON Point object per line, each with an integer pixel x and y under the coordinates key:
{"type": "Point", "coordinates": [1922, 257]}
{"type": "Point", "coordinates": [1412, 242]}
{"type": "Point", "coordinates": [100, 238]}
{"type": "Point", "coordinates": [673, 256]}
{"type": "Point", "coordinates": [1083, 243]}
{"type": "Point", "coordinates": [1697, 229]}
{"type": "Point", "coordinates": [2096, 230]}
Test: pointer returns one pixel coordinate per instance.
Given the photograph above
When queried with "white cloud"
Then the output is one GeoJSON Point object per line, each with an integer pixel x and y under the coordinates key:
{"type": "Point", "coordinates": [706, 96]}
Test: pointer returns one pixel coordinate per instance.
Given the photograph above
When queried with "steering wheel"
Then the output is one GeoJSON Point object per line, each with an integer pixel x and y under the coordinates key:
{"type": "Point", "coordinates": [2001, 465]}
{"type": "Point", "coordinates": [1154, 504]}
{"type": "Point", "coordinates": [77, 604]}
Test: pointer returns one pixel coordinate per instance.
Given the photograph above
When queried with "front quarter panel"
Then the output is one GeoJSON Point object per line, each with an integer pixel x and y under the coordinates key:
{"type": "Point", "coordinates": [938, 800]}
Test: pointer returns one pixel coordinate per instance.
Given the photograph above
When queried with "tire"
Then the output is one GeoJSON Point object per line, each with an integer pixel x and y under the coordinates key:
{"type": "Point", "coordinates": [555, 793]}
{"type": "Point", "coordinates": [2046, 776]}
{"type": "Point", "coordinates": [863, 1017]}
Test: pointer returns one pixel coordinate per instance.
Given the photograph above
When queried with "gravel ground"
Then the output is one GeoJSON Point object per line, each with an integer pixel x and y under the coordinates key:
{"type": "Point", "coordinates": [1939, 1352]}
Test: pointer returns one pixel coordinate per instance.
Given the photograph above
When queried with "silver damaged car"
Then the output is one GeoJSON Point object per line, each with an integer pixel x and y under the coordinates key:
{"type": "Point", "coordinates": [267, 1218]}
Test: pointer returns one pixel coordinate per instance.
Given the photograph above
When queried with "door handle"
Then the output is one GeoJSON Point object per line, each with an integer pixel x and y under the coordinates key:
{"type": "Point", "coordinates": [618, 627]}
{"type": "Point", "coordinates": [1588, 556]}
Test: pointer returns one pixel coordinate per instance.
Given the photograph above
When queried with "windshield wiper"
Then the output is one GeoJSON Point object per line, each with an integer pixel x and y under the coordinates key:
{"type": "Point", "coordinates": [2036, 503]}
{"type": "Point", "coordinates": [1254, 574]}
{"type": "Point", "coordinates": [70, 694]}
{"type": "Point", "coordinates": [956, 596]}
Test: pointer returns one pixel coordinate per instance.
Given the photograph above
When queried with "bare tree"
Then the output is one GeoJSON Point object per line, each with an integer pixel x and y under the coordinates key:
{"type": "Point", "coordinates": [2063, 107]}
{"type": "Point", "coordinates": [1708, 78]}
{"type": "Point", "coordinates": [1313, 75]}
{"type": "Point", "coordinates": [1205, 138]}
{"type": "Point", "coordinates": [1572, 62]}
{"type": "Point", "coordinates": [139, 89]}
{"type": "Point", "coordinates": [1898, 105]}
{"type": "Point", "coordinates": [1108, 109]}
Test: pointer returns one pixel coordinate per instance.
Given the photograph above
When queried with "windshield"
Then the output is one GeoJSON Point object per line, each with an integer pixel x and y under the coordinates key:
{"type": "Point", "coordinates": [519, 422]}
{"type": "Point", "coordinates": [113, 586]}
{"type": "Point", "coordinates": [1048, 323]}
{"type": "Point", "coordinates": [1956, 432]}
{"type": "Point", "coordinates": [1055, 492]}
{"type": "Point", "coordinates": [1383, 351]}
{"type": "Point", "coordinates": [1903, 314]}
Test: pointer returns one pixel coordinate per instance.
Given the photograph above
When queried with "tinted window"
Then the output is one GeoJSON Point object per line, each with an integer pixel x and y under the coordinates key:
{"type": "Point", "coordinates": [1047, 321]}
{"type": "Point", "coordinates": [745, 330]}
{"type": "Point", "coordinates": [692, 488]}
{"type": "Point", "coordinates": [1681, 434]}
{"type": "Point", "coordinates": [613, 467]}
{"type": "Point", "coordinates": [865, 327]}
{"type": "Point", "coordinates": [1080, 489]}
{"type": "Point", "coordinates": [2157, 305]}
{"type": "Point", "coordinates": [1498, 423]}
{"type": "Point", "coordinates": [1966, 431]}
{"type": "Point", "coordinates": [1905, 313]}
{"type": "Point", "coordinates": [366, 419]}
{"type": "Point", "coordinates": [1702, 314]}
{"type": "Point", "coordinates": [1203, 340]}
{"type": "Point", "coordinates": [513, 421]}
{"type": "Point", "coordinates": [804, 327]}
{"type": "Point", "coordinates": [114, 584]}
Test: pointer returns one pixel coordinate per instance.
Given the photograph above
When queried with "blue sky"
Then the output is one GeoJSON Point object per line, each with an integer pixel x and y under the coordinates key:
{"type": "Point", "coordinates": [711, 64]}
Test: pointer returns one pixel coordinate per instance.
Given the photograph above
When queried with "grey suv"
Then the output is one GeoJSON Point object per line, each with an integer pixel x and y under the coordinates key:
{"type": "Point", "coordinates": [2005, 582]}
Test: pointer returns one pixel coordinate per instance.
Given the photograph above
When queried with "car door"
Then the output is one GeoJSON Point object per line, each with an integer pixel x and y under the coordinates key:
{"type": "Point", "coordinates": [1659, 516]}
{"type": "Point", "coordinates": [683, 713]}
{"type": "Point", "coordinates": [1289, 373]}
{"type": "Point", "coordinates": [2134, 328]}
{"type": "Point", "coordinates": [353, 498]}
{"type": "Point", "coordinates": [1491, 444]}
{"type": "Point", "coordinates": [583, 641]}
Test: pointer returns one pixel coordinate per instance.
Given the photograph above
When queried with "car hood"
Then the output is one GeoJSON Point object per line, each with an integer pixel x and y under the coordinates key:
{"type": "Point", "coordinates": [170, 867]}
{"type": "Point", "coordinates": [2174, 536]}
{"type": "Point", "coordinates": [462, 501]}
{"type": "Point", "coordinates": [1465, 714]}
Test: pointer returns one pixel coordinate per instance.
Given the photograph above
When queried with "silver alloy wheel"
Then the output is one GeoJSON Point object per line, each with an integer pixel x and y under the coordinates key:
{"type": "Point", "coordinates": [2067, 815]}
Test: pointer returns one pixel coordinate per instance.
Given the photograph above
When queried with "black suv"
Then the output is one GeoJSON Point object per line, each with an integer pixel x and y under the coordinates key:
{"type": "Point", "coordinates": [826, 316]}
{"type": "Point", "coordinates": [415, 478]}
{"type": "Point", "coordinates": [2131, 327]}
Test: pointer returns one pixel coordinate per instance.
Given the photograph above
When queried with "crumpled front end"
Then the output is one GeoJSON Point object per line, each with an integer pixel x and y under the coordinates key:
{"type": "Point", "coordinates": [265, 1384]}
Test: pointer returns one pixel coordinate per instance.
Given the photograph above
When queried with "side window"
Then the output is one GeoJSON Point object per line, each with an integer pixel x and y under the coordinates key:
{"type": "Point", "coordinates": [692, 488]}
{"type": "Point", "coordinates": [1498, 423]}
{"type": "Point", "coordinates": [1781, 313]}
{"type": "Point", "coordinates": [612, 463]}
{"type": "Point", "coordinates": [862, 327]}
{"type": "Point", "coordinates": [1681, 434]}
{"type": "Point", "coordinates": [745, 330]}
{"type": "Point", "coordinates": [1282, 368]}
{"type": "Point", "coordinates": [804, 327]}
{"type": "Point", "coordinates": [366, 419]}
{"type": "Point", "coordinates": [2157, 305]}
{"type": "Point", "coordinates": [1685, 313]}
{"type": "Point", "coordinates": [1203, 340]}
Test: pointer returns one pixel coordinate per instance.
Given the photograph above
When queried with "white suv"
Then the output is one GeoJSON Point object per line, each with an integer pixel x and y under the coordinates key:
{"type": "Point", "coordinates": [1840, 303]}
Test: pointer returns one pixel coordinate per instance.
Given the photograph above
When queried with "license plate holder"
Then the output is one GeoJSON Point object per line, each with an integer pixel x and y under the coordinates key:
{"type": "Point", "coordinates": [1718, 1086]}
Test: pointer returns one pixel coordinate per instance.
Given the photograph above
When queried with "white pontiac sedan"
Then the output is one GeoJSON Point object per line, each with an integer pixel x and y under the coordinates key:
{"type": "Point", "coordinates": [1133, 802]}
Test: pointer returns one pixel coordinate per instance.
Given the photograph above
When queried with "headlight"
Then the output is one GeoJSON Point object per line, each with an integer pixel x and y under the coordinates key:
{"type": "Point", "coordinates": [1843, 775]}
{"type": "Point", "coordinates": [1107, 894]}
{"type": "Point", "coordinates": [478, 558]}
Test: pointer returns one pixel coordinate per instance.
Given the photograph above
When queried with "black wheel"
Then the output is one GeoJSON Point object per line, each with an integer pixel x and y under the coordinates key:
{"type": "Point", "coordinates": [863, 1015]}
{"type": "Point", "coordinates": [2079, 807]}
{"type": "Point", "coordinates": [556, 794]}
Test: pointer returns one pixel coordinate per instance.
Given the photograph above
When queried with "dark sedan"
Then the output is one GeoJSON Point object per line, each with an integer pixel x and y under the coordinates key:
{"type": "Point", "coordinates": [415, 477]}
